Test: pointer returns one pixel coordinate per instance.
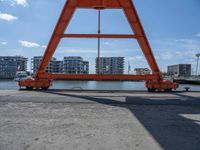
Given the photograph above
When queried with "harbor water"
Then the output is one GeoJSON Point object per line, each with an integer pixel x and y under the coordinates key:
{"type": "Point", "coordinates": [93, 85]}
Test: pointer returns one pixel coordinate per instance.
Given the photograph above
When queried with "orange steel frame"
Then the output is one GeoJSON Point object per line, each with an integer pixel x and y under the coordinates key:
{"type": "Point", "coordinates": [43, 80]}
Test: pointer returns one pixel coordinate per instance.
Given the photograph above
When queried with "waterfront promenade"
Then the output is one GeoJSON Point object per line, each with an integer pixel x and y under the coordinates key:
{"type": "Point", "coordinates": [99, 120]}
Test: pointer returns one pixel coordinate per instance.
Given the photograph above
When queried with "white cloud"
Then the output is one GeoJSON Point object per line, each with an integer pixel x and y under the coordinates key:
{"type": "Point", "coordinates": [7, 17]}
{"type": "Point", "coordinates": [4, 43]}
{"type": "Point", "coordinates": [136, 58]}
{"type": "Point", "coordinates": [104, 53]}
{"type": "Point", "coordinates": [167, 56]}
{"type": "Point", "coordinates": [187, 43]}
{"type": "Point", "coordinates": [177, 51]}
{"type": "Point", "coordinates": [28, 44]}
{"type": "Point", "coordinates": [198, 34]}
{"type": "Point", "coordinates": [14, 3]}
{"type": "Point", "coordinates": [20, 2]}
{"type": "Point", "coordinates": [108, 43]}
{"type": "Point", "coordinates": [79, 51]}
{"type": "Point", "coordinates": [44, 46]}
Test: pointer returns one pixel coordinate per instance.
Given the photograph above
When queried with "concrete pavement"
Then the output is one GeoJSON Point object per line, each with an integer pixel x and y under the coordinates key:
{"type": "Point", "coordinates": [91, 120]}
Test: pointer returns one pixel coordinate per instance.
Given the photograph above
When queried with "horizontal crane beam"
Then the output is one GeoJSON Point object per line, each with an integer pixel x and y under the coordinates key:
{"type": "Point", "coordinates": [128, 36]}
{"type": "Point", "coordinates": [101, 77]}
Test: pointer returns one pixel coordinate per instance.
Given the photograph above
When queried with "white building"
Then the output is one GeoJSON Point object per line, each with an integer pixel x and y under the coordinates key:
{"type": "Point", "coordinates": [54, 65]}
{"type": "Point", "coordinates": [110, 65]}
{"type": "Point", "coordinates": [10, 65]}
{"type": "Point", "coordinates": [142, 71]}
{"type": "Point", "coordinates": [75, 65]}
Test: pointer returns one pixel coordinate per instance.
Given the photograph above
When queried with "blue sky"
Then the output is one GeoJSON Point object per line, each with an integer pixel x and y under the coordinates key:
{"type": "Point", "coordinates": [172, 27]}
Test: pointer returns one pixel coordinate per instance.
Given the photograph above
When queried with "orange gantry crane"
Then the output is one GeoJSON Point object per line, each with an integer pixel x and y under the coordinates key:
{"type": "Point", "coordinates": [43, 79]}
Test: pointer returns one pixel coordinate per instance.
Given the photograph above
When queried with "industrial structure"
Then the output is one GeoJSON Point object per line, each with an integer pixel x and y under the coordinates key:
{"type": "Point", "coordinates": [10, 65]}
{"type": "Point", "coordinates": [43, 80]}
{"type": "Point", "coordinates": [180, 70]}
{"type": "Point", "coordinates": [110, 65]}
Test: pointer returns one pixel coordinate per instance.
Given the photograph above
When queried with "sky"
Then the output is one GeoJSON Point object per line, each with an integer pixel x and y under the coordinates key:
{"type": "Point", "coordinates": [172, 28]}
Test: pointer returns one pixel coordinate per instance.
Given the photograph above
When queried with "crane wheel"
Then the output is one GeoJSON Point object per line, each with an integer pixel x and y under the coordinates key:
{"type": "Point", "coordinates": [168, 90]}
{"type": "Point", "coordinates": [151, 90]}
{"type": "Point", "coordinates": [29, 88]}
{"type": "Point", "coordinates": [45, 88]}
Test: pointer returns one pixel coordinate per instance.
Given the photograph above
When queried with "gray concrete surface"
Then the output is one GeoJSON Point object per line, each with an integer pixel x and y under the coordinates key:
{"type": "Point", "coordinates": [88, 120]}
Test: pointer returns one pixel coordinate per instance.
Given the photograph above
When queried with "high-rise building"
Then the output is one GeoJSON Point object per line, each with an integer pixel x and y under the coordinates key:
{"type": "Point", "coordinates": [75, 65]}
{"type": "Point", "coordinates": [59, 66]}
{"type": "Point", "coordinates": [142, 71]}
{"type": "Point", "coordinates": [110, 65]}
{"type": "Point", "coordinates": [54, 65]}
{"type": "Point", "coordinates": [180, 70]}
{"type": "Point", "coordinates": [69, 65]}
{"type": "Point", "coordinates": [85, 67]}
{"type": "Point", "coordinates": [10, 65]}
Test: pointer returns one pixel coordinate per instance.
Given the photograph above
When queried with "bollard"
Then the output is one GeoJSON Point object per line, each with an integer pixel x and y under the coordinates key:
{"type": "Point", "coordinates": [187, 89]}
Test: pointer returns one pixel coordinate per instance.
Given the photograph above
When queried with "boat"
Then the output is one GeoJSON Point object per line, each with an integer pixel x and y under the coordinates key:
{"type": "Point", "coordinates": [20, 75]}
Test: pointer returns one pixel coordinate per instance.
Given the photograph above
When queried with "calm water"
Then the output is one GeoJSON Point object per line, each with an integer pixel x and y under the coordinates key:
{"type": "Point", "coordinates": [92, 85]}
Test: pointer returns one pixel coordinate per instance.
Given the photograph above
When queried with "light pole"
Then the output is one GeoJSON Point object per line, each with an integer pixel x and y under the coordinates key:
{"type": "Point", "coordinates": [197, 55]}
{"type": "Point", "coordinates": [129, 67]}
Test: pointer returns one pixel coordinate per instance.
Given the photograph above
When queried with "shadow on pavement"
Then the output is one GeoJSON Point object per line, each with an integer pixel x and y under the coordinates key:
{"type": "Point", "coordinates": [166, 120]}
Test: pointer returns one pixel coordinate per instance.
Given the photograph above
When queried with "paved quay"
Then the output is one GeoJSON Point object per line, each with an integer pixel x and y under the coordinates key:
{"type": "Point", "coordinates": [99, 120]}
